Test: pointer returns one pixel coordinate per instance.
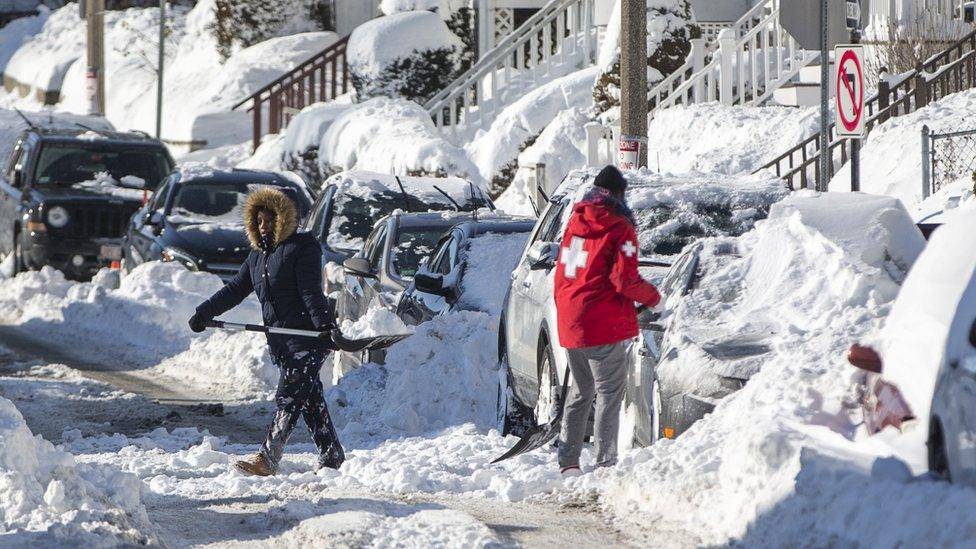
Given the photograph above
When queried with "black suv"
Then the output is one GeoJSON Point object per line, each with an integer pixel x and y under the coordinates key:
{"type": "Point", "coordinates": [66, 196]}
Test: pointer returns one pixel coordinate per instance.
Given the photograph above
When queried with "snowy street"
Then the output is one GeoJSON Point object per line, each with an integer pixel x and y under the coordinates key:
{"type": "Point", "coordinates": [180, 443]}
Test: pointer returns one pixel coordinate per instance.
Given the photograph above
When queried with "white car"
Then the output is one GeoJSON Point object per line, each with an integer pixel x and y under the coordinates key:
{"type": "Point", "coordinates": [927, 353]}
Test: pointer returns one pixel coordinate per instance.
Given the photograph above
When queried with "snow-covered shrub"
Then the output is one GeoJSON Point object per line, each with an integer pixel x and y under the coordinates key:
{"type": "Point", "coordinates": [458, 14]}
{"type": "Point", "coordinates": [670, 28]}
{"type": "Point", "coordinates": [242, 23]}
{"type": "Point", "coordinates": [412, 55]}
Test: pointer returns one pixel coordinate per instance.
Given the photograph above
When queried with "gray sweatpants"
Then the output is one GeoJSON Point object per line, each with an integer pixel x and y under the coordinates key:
{"type": "Point", "coordinates": [602, 372]}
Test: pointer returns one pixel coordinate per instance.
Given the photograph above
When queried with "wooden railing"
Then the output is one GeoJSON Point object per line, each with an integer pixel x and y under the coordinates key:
{"type": "Point", "coordinates": [322, 77]}
{"type": "Point", "coordinates": [948, 72]}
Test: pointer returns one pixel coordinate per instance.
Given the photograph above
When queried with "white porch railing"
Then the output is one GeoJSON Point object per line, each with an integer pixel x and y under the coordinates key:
{"type": "Point", "coordinates": [558, 39]}
{"type": "Point", "coordinates": [754, 57]}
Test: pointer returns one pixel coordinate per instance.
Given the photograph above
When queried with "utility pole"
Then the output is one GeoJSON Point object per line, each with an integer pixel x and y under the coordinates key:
{"type": "Point", "coordinates": [159, 69]}
{"type": "Point", "coordinates": [95, 17]}
{"type": "Point", "coordinates": [825, 162]}
{"type": "Point", "coordinates": [633, 79]}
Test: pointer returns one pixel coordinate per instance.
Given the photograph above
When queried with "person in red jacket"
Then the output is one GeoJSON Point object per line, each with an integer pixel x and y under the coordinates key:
{"type": "Point", "coordinates": [596, 285]}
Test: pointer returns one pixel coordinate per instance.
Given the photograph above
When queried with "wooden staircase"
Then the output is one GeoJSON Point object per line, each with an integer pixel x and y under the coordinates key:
{"type": "Point", "coordinates": [953, 70]}
{"type": "Point", "coordinates": [320, 78]}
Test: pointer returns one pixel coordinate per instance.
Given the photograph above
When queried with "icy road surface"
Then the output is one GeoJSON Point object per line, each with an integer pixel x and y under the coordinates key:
{"type": "Point", "coordinates": [181, 445]}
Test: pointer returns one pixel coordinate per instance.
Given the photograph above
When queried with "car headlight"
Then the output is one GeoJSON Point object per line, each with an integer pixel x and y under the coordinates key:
{"type": "Point", "coordinates": [58, 217]}
{"type": "Point", "coordinates": [170, 255]}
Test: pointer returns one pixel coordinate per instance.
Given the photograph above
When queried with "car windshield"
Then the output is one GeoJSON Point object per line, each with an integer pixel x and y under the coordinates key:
{"type": "Point", "coordinates": [209, 202]}
{"type": "Point", "coordinates": [412, 247]}
{"type": "Point", "coordinates": [354, 216]}
{"type": "Point", "coordinates": [69, 164]}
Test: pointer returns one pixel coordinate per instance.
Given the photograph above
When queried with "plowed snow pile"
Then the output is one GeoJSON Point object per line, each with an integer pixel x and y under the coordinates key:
{"type": "Point", "coordinates": [783, 461]}
{"type": "Point", "coordinates": [141, 321]}
{"type": "Point", "coordinates": [46, 499]}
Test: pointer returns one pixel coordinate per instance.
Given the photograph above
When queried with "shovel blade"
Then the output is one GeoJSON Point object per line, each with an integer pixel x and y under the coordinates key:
{"type": "Point", "coordinates": [535, 437]}
{"type": "Point", "coordinates": [366, 344]}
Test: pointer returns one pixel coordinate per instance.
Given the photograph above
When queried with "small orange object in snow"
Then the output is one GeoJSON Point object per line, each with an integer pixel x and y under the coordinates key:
{"type": "Point", "coordinates": [668, 432]}
{"type": "Point", "coordinates": [116, 264]}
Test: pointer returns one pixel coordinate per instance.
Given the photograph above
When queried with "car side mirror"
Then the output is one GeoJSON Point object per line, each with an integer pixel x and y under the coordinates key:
{"type": "Point", "coordinates": [358, 266]}
{"type": "Point", "coordinates": [542, 255]}
{"type": "Point", "coordinates": [431, 284]}
{"type": "Point", "coordinates": [864, 358]}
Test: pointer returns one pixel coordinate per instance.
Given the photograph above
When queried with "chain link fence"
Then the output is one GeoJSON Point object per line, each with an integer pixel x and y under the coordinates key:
{"type": "Point", "coordinates": [947, 157]}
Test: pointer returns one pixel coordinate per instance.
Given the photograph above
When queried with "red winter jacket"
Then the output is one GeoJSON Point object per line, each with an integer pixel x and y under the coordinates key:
{"type": "Point", "coordinates": [597, 281]}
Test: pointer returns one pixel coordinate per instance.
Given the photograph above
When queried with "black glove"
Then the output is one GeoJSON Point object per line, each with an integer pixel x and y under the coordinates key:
{"type": "Point", "coordinates": [198, 322]}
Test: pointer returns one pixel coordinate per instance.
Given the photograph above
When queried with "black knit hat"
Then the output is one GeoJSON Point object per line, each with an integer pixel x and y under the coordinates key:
{"type": "Point", "coordinates": [611, 179]}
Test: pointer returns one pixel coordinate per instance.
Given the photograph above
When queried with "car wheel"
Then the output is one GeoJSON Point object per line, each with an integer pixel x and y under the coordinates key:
{"type": "Point", "coordinates": [938, 458]}
{"type": "Point", "coordinates": [512, 417]}
{"type": "Point", "coordinates": [547, 403]}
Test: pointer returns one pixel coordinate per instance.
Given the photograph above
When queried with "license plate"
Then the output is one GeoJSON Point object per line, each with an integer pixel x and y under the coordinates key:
{"type": "Point", "coordinates": [110, 252]}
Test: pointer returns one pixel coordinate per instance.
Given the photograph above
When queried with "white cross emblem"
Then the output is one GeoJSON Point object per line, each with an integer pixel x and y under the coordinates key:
{"type": "Point", "coordinates": [574, 257]}
{"type": "Point", "coordinates": [629, 249]}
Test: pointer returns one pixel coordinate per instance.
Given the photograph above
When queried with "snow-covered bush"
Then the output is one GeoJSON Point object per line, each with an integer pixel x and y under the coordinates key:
{"type": "Point", "coordinates": [412, 55]}
{"type": "Point", "coordinates": [458, 14]}
{"type": "Point", "coordinates": [242, 23]}
{"type": "Point", "coordinates": [391, 136]}
{"type": "Point", "coordinates": [670, 28]}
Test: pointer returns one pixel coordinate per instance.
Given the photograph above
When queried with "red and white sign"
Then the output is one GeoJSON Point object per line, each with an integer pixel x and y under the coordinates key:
{"type": "Point", "coordinates": [628, 152]}
{"type": "Point", "coordinates": [849, 96]}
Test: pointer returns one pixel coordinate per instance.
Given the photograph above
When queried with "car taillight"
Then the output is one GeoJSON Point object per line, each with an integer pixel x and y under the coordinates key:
{"type": "Point", "coordinates": [864, 358]}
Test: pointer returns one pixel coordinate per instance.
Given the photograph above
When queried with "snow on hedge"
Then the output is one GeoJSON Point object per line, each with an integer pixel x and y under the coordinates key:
{"type": "Point", "coordinates": [408, 54]}
{"type": "Point", "coordinates": [891, 158]}
{"type": "Point", "coordinates": [47, 499]}
{"type": "Point", "coordinates": [391, 136]}
{"type": "Point", "coordinates": [444, 8]}
{"type": "Point", "coordinates": [41, 62]}
{"type": "Point", "coordinates": [14, 34]}
{"type": "Point", "coordinates": [153, 304]}
{"type": "Point", "coordinates": [715, 138]}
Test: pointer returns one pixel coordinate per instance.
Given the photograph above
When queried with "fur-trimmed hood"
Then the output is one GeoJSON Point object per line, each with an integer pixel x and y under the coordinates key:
{"type": "Point", "coordinates": [286, 215]}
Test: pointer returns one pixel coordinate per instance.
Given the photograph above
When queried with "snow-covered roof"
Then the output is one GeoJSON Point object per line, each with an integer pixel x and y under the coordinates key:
{"type": "Point", "coordinates": [719, 11]}
{"type": "Point", "coordinates": [358, 181]}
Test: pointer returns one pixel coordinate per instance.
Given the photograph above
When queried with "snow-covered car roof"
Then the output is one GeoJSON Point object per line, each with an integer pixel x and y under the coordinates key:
{"type": "Point", "coordinates": [673, 211]}
{"type": "Point", "coordinates": [363, 183]}
{"type": "Point", "coordinates": [927, 324]}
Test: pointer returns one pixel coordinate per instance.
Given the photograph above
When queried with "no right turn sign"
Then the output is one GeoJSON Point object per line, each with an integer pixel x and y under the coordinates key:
{"type": "Point", "coordinates": [849, 96]}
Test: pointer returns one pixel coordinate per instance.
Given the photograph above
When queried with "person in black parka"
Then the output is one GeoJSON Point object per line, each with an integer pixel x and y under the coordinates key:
{"type": "Point", "coordinates": [284, 269]}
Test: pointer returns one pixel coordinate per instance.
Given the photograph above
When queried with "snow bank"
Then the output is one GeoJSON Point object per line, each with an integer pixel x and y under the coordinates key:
{"type": "Point", "coordinates": [440, 376]}
{"type": "Point", "coordinates": [200, 88]}
{"type": "Point", "coordinates": [891, 158]}
{"type": "Point", "coordinates": [526, 118]}
{"type": "Point", "coordinates": [715, 138]}
{"type": "Point", "coordinates": [15, 33]}
{"type": "Point", "coordinates": [391, 136]}
{"type": "Point", "coordinates": [153, 304]}
{"type": "Point", "coordinates": [378, 321]}
{"type": "Point", "coordinates": [782, 459]}
{"type": "Point", "coordinates": [48, 499]}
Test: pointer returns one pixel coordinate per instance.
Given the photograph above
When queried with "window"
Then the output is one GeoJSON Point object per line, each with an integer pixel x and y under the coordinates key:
{"type": "Point", "coordinates": [68, 164]}
{"type": "Point", "coordinates": [158, 200]}
{"type": "Point", "coordinates": [553, 229]}
{"type": "Point", "coordinates": [447, 255]}
{"type": "Point", "coordinates": [315, 221]}
{"type": "Point", "coordinates": [551, 217]}
{"type": "Point", "coordinates": [413, 245]}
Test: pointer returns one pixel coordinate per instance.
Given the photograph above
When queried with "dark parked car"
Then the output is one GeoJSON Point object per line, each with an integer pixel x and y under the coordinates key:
{"type": "Point", "coordinates": [469, 270]}
{"type": "Point", "coordinates": [351, 203]}
{"type": "Point", "coordinates": [195, 219]}
{"type": "Point", "coordinates": [393, 252]}
{"type": "Point", "coordinates": [67, 194]}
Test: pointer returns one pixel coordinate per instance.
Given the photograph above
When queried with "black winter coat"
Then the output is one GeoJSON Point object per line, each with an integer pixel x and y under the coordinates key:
{"type": "Point", "coordinates": [287, 279]}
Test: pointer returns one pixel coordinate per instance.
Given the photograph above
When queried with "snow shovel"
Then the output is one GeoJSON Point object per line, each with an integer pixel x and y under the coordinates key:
{"type": "Point", "coordinates": [540, 435]}
{"type": "Point", "coordinates": [344, 344]}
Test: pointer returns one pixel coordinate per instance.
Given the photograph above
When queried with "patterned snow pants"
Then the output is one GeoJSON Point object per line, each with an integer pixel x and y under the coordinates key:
{"type": "Point", "coordinates": [300, 395]}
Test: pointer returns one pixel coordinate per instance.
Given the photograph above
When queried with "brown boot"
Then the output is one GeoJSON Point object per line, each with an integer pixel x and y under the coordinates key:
{"type": "Point", "coordinates": [256, 465]}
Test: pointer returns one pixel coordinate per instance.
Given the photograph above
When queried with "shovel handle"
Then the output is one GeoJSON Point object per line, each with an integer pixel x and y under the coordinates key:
{"type": "Point", "coordinates": [237, 327]}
